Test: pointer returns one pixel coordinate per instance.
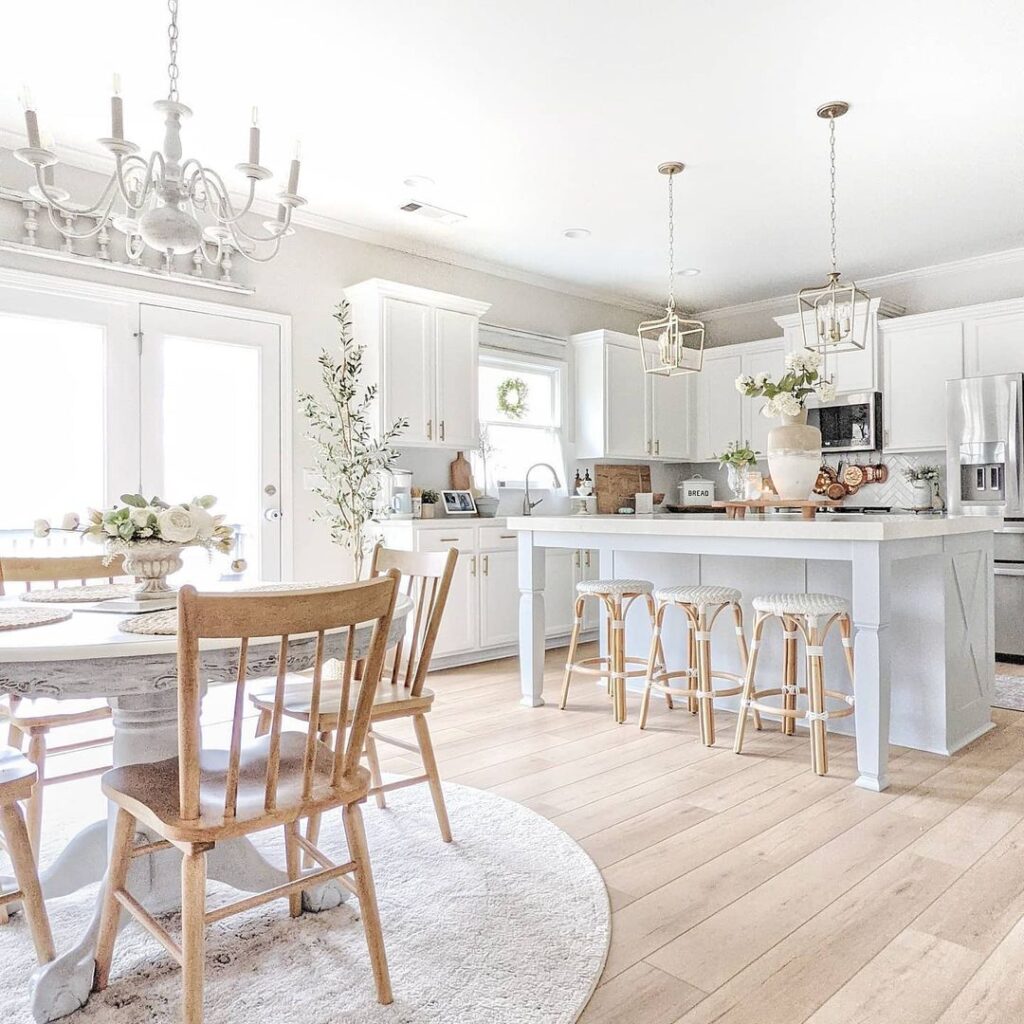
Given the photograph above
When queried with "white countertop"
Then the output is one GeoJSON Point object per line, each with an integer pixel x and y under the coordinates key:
{"type": "Point", "coordinates": [443, 522]}
{"type": "Point", "coordinates": [770, 527]}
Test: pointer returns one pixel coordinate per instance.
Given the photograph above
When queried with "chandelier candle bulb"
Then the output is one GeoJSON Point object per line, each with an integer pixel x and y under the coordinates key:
{"type": "Point", "coordinates": [31, 121]}
{"type": "Point", "coordinates": [254, 138]}
{"type": "Point", "coordinates": [293, 175]}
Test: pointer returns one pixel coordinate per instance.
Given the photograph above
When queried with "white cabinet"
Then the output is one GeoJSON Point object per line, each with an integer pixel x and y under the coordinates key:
{"type": "Point", "coordinates": [421, 352]}
{"type": "Point", "coordinates": [460, 625]}
{"type": "Point", "coordinates": [994, 339]}
{"type": "Point", "coordinates": [919, 356]}
{"type": "Point", "coordinates": [622, 412]}
{"type": "Point", "coordinates": [499, 598]}
{"type": "Point", "coordinates": [560, 573]}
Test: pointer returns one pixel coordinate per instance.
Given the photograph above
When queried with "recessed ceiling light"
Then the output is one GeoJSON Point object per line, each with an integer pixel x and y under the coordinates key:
{"type": "Point", "coordinates": [688, 272]}
{"type": "Point", "coordinates": [576, 232]}
{"type": "Point", "coordinates": [418, 181]}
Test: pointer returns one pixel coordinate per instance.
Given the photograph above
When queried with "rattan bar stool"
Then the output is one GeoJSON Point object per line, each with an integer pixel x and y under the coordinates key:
{"type": "Point", "coordinates": [618, 596]}
{"type": "Point", "coordinates": [701, 605]}
{"type": "Point", "coordinates": [809, 616]}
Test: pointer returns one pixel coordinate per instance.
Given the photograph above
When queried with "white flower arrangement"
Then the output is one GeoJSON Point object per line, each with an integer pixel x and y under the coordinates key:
{"type": "Point", "coordinates": [139, 520]}
{"type": "Point", "coordinates": [788, 395]}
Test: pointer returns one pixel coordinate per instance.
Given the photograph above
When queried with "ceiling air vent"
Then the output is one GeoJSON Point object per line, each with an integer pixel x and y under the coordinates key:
{"type": "Point", "coordinates": [435, 213]}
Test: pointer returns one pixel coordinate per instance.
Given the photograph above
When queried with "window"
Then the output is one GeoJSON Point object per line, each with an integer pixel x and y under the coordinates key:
{"type": "Point", "coordinates": [534, 387]}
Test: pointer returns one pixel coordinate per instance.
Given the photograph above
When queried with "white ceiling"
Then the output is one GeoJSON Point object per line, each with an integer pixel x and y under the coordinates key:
{"type": "Point", "coordinates": [534, 116]}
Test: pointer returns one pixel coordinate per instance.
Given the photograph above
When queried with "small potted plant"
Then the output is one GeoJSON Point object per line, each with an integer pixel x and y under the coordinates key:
{"type": "Point", "coordinates": [737, 458]}
{"type": "Point", "coordinates": [429, 498]}
{"type": "Point", "coordinates": [924, 481]}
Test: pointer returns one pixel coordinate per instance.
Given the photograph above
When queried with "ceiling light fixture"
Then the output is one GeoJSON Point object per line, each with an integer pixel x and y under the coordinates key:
{"type": "Point", "coordinates": [688, 272]}
{"type": "Point", "coordinates": [418, 181]}
{"type": "Point", "coordinates": [671, 344]}
{"type": "Point", "coordinates": [576, 232]}
{"type": "Point", "coordinates": [837, 311]}
{"type": "Point", "coordinates": [172, 206]}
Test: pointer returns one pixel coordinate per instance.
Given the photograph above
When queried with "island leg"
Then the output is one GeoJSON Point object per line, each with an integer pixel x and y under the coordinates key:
{"type": "Point", "coordinates": [872, 663]}
{"type": "Point", "coordinates": [531, 620]}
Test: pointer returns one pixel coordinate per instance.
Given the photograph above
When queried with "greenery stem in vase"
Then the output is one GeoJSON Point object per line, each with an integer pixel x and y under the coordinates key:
{"type": "Point", "coordinates": [350, 456]}
{"type": "Point", "coordinates": [737, 458]}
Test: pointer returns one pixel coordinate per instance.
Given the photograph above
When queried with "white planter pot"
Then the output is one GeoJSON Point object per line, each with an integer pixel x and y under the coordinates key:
{"type": "Point", "coordinates": [922, 494]}
{"type": "Point", "coordinates": [151, 562]}
{"type": "Point", "coordinates": [794, 457]}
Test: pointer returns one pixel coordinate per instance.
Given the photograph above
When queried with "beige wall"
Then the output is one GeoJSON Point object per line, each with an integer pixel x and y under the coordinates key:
{"type": "Point", "coordinates": [306, 282]}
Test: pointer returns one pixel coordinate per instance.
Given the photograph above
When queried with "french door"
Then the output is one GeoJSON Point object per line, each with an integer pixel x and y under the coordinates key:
{"type": "Point", "coordinates": [105, 397]}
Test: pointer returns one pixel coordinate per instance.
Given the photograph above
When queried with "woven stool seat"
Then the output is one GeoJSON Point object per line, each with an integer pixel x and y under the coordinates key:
{"type": "Point", "coordinates": [801, 604]}
{"type": "Point", "coordinates": [698, 595]}
{"type": "Point", "coordinates": [599, 588]}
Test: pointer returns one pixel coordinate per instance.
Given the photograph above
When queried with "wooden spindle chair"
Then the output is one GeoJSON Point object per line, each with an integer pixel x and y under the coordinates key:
{"type": "Point", "coordinates": [34, 718]}
{"type": "Point", "coordinates": [199, 798]}
{"type": "Point", "coordinates": [427, 580]}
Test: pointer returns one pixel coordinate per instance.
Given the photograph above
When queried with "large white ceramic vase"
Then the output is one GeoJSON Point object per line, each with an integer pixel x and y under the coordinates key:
{"type": "Point", "coordinates": [794, 457]}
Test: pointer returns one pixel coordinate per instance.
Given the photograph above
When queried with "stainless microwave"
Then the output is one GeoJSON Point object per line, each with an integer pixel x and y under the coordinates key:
{"type": "Point", "coordinates": [851, 423]}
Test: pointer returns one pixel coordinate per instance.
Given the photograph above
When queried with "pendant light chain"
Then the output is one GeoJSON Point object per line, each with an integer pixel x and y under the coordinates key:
{"type": "Point", "coordinates": [832, 186]}
{"type": "Point", "coordinates": [172, 41]}
{"type": "Point", "coordinates": [671, 246]}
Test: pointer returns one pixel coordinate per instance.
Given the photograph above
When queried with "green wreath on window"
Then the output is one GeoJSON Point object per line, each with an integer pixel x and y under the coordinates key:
{"type": "Point", "coordinates": [512, 394]}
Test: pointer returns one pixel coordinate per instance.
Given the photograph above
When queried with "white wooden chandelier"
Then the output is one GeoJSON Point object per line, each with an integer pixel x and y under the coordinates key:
{"type": "Point", "coordinates": [672, 344]}
{"type": "Point", "coordinates": [836, 312]}
{"type": "Point", "coordinates": [171, 206]}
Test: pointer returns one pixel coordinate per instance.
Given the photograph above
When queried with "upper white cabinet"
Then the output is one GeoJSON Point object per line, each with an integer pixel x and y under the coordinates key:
{"type": "Point", "coordinates": [858, 370]}
{"type": "Point", "coordinates": [622, 412]}
{"type": "Point", "coordinates": [421, 350]}
{"type": "Point", "coordinates": [993, 338]}
{"type": "Point", "coordinates": [920, 354]}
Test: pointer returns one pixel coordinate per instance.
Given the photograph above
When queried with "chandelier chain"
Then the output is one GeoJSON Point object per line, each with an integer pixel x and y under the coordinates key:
{"type": "Point", "coordinates": [671, 245]}
{"type": "Point", "coordinates": [832, 186]}
{"type": "Point", "coordinates": [172, 41]}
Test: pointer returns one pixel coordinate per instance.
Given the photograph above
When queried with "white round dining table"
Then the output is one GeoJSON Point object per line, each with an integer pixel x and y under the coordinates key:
{"type": "Point", "coordinates": [87, 656]}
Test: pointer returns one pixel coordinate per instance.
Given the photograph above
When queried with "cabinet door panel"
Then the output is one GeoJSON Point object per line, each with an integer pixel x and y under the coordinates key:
{"type": "Point", "coordinates": [918, 362]}
{"type": "Point", "coordinates": [559, 591]}
{"type": "Point", "coordinates": [459, 630]}
{"type": "Point", "coordinates": [671, 409]}
{"type": "Point", "coordinates": [626, 398]}
{"type": "Point", "coordinates": [408, 369]}
{"type": "Point", "coordinates": [719, 411]}
{"type": "Point", "coordinates": [756, 426]}
{"type": "Point", "coordinates": [996, 345]}
{"type": "Point", "coordinates": [457, 423]}
{"type": "Point", "coordinates": [499, 598]}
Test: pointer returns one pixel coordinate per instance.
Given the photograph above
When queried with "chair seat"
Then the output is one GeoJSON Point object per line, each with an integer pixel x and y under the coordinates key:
{"type": "Point", "coordinates": [388, 701]}
{"type": "Point", "coordinates": [614, 587]}
{"type": "Point", "coordinates": [698, 595]}
{"type": "Point", "coordinates": [17, 774]}
{"type": "Point", "coordinates": [801, 604]}
{"type": "Point", "coordinates": [45, 712]}
{"type": "Point", "coordinates": [149, 792]}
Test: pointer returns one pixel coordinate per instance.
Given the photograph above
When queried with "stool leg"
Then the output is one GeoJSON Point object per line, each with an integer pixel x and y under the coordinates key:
{"type": "Point", "coordinates": [846, 631]}
{"type": "Point", "coordinates": [748, 682]}
{"type": "Point", "coordinates": [789, 675]}
{"type": "Point", "coordinates": [704, 682]}
{"type": "Point", "coordinates": [691, 653]}
{"type": "Point", "coordinates": [619, 662]}
{"type": "Point", "coordinates": [741, 643]}
{"type": "Point", "coordinates": [610, 645]}
{"type": "Point", "coordinates": [652, 664]}
{"type": "Point", "coordinates": [571, 658]}
{"type": "Point", "coordinates": [652, 610]}
{"type": "Point", "coordinates": [816, 700]}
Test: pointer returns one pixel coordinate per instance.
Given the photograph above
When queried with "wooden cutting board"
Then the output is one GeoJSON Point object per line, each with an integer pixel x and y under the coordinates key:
{"type": "Point", "coordinates": [460, 473]}
{"type": "Point", "coordinates": [613, 483]}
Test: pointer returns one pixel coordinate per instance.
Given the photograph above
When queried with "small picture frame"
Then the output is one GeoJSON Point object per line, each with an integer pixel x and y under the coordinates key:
{"type": "Point", "coordinates": [458, 503]}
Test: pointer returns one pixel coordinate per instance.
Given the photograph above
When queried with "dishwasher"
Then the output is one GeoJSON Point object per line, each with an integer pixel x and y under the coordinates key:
{"type": "Point", "coordinates": [1009, 590]}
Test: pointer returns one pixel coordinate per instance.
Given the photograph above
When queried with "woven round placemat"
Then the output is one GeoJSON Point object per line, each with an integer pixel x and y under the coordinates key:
{"type": "Point", "coordinates": [163, 623]}
{"type": "Point", "coordinates": [22, 618]}
{"type": "Point", "coordinates": [78, 595]}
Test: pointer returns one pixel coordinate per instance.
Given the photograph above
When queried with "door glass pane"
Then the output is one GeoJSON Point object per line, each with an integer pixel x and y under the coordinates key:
{"type": "Point", "coordinates": [52, 441]}
{"type": "Point", "coordinates": [211, 443]}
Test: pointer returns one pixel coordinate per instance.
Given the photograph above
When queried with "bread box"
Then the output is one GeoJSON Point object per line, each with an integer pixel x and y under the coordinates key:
{"type": "Point", "coordinates": [697, 491]}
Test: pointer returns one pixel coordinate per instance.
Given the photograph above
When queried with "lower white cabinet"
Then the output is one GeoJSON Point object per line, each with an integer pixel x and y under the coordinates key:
{"type": "Point", "coordinates": [482, 613]}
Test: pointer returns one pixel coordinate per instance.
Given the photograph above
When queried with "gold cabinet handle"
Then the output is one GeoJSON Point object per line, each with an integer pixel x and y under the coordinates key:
{"type": "Point", "coordinates": [430, 430]}
{"type": "Point", "coordinates": [657, 447]}
{"type": "Point", "coordinates": [472, 566]}
{"type": "Point", "coordinates": [648, 447]}
{"type": "Point", "coordinates": [576, 559]}
{"type": "Point", "coordinates": [508, 536]}
{"type": "Point", "coordinates": [449, 540]}
{"type": "Point", "coordinates": [588, 559]}
{"type": "Point", "coordinates": [442, 430]}
{"type": "Point", "coordinates": [486, 565]}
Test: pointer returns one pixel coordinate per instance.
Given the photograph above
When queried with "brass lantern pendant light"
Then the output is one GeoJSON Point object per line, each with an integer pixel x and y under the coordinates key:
{"type": "Point", "coordinates": [671, 344]}
{"type": "Point", "coordinates": [836, 312]}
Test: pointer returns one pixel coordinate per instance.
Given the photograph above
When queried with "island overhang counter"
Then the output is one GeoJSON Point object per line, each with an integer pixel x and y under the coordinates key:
{"type": "Point", "coordinates": [920, 588]}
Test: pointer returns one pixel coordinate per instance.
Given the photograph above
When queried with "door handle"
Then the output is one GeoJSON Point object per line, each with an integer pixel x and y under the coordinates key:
{"type": "Point", "coordinates": [273, 515]}
{"type": "Point", "coordinates": [430, 430]}
{"type": "Point", "coordinates": [1000, 571]}
{"type": "Point", "coordinates": [442, 430]}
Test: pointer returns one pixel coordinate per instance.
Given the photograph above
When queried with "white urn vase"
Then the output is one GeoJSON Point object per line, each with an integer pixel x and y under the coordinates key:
{"type": "Point", "coordinates": [151, 562]}
{"type": "Point", "coordinates": [794, 457]}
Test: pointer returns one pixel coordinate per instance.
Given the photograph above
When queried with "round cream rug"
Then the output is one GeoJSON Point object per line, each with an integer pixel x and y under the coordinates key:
{"type": "Point", "coordinates": [509, 924]}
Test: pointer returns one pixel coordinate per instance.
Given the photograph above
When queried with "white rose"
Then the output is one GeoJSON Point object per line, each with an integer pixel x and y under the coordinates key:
{"type": "Point", "coordinates": [826, 390]}
{"type": "Point", "coordinates": [204, 522]}
{"type": "Point", "coordinates": [744, 381]}
{"type": "Point", "coordinates": [761, 379]}
{"type": "Point", "coordinates": [789, 404]}
{"type": "Point", "coordinates": [140, 516]}
{"type": "Point", "coordinates": [110, 529]}
{"type": "Point", "coordinates": [177, 525]}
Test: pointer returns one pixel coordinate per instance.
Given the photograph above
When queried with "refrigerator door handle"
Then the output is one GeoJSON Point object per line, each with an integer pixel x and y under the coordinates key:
{"type": "Point", "coordinates": [1006, 570]}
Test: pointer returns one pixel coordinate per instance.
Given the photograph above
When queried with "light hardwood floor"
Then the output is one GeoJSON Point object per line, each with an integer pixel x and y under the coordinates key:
{"type": "Point", "coordinates": [747, 889]}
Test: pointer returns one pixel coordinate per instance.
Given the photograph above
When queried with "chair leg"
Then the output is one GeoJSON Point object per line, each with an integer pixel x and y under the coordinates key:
{"type": "Point", "coordinates": [748, 684]}
{"type": "Point", "coordinates": [419, 723]}
{"type": "Point", "coordinates": [110, 916]}
{"type": "Point", "coordinates": [574, 640]}
{"type": "Point", "coordinates": [19, 849]}
{"type": "Point", "coordinates": [34, 808]}
{"type": "Point", "coordinates": [705, 684]}
{"type": "Point", "coordinates": [367, 894]}
{"type": "Point", "coordinates": [15, 737]}
{"type": "Point", "coordinates": [313, 822]}
{"type": "Point", "coordinates": [263, 723]}
{"type": "Point", "coordinates": [293, 858]}
{"type": "Point", "coordinates": [376, 779]}
{"type": "Point", "coordinates": [193, 927]}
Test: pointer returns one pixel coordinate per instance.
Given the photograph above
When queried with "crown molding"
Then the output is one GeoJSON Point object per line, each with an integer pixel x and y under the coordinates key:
{"type": "Point", "coordinates": [98, 163]}
{"type": "Point", "coordinates": [981, 262]}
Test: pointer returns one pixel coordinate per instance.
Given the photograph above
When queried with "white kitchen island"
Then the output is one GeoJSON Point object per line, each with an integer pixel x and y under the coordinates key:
{"type": "Point", "coordinates": [921, 598]}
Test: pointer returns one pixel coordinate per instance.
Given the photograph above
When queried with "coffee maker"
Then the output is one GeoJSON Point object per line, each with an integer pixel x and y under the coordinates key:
{"type": "Point", "coordinates": [400, 495]}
